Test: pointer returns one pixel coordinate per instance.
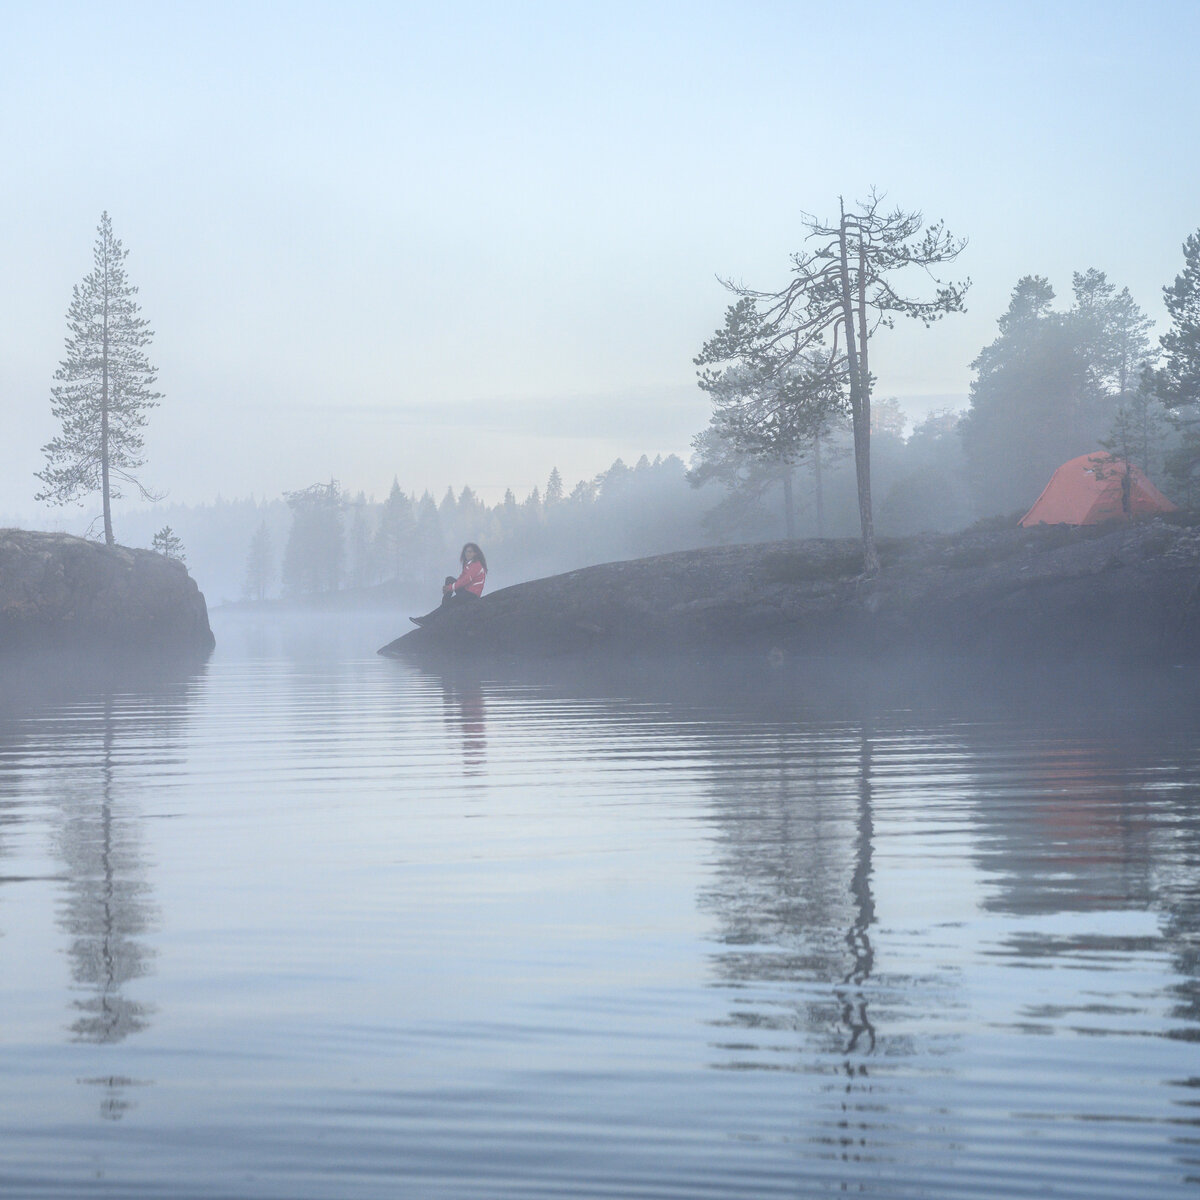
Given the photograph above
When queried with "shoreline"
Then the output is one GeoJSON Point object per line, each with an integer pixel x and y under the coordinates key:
{"type": "Point", "coordinates": [1126, 593]}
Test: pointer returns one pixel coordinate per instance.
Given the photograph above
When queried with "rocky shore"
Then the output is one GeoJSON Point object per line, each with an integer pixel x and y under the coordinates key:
{"type": "Point", "coordinates": [1126, 593]}
{"type": "Point", "coordinates": [62, 593]}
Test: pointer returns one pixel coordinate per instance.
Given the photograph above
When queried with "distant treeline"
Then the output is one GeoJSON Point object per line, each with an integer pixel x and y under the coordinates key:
{"type": "Point", "coordinates": [798, 443]}
{"type": "Point", "coordinates": [1054, 384]}
{"type": "Point", "coordinates": [323, 538]}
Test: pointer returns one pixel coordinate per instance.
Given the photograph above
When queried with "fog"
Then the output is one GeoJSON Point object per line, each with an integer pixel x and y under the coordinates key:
{"type": "Point", "coordinates": [372, 549]}
{"type": "Point", "coordinates": [808, 864]}
{"type": "Point", "coordinates": [459, 250]}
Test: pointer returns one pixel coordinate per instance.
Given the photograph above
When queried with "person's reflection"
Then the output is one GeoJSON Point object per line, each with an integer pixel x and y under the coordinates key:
{"type": "Point", "coordinates": [465, 710]}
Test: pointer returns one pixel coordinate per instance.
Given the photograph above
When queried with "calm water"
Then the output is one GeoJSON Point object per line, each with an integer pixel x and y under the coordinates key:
{"type": "Point", "coordinates": [312, 923]}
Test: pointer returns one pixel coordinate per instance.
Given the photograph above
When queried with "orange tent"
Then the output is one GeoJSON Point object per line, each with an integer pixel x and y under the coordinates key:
{"type": "Point", "coordinates": [1087, 490]}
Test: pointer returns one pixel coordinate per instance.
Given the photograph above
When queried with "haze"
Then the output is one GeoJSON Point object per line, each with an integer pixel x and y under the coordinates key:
{"type": "Point", "coordinates": [464, 246]}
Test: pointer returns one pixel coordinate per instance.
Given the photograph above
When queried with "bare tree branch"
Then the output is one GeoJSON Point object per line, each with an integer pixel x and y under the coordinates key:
{"type": "Point", "coordinates": [817, 329]}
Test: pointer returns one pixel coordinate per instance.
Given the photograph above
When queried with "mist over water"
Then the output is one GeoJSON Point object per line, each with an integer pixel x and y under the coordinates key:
{"type": "Point", "coordinates": [304, 922]}
{"type": "Point", "coordinates": [307, 922]}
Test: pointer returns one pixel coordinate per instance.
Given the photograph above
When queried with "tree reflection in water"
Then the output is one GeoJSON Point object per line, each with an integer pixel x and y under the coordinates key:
{"type": "Point", "coordinates": [858, 936]}
{"type": "Point", "coordinates": [107, 908]}
{"type": "Point", "coordinates": [794, 902]}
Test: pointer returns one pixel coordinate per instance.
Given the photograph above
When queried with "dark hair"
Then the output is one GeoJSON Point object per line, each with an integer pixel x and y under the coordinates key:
{"type": "Point", "coordinates": [462, 558]}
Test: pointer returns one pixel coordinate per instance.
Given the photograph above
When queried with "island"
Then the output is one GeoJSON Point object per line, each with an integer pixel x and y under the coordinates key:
{"type": "Point", "coordinates": [60, 593]}
{"type": "Point", "coordinates": [1125, 592]}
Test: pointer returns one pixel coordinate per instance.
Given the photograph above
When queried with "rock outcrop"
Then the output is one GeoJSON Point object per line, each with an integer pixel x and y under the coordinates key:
{"type": "Point", "coordinates": [1125, 593]}
{"type": "Point", "coordinates": [59, 592]}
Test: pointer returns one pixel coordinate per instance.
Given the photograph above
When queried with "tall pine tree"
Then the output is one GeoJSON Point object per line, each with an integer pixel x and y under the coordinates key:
{"type": "Point", "coordinates": [843, 289]}
{"type": "Point", "coordinates": [260, 565]}
{"type": "Point", "coordinates": [104, 387]}
{"type": "Point", "coordinates": [315, 552]}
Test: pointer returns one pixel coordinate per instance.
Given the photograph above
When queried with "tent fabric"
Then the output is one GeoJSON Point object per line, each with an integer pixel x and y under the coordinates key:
{"type": "Point", "coordinates": [1087, 491]}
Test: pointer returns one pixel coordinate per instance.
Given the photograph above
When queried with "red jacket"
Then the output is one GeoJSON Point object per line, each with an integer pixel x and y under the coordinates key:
{"type": "Point", "coordinates": [471, 580]}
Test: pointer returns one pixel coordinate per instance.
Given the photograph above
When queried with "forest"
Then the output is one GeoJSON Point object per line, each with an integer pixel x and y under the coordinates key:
{"type": "Point", "coordinates": [1058, 380]}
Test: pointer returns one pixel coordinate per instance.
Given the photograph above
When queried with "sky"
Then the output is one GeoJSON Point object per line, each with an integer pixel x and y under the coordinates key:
{"type": "Point", "coordinates": [467, 243]}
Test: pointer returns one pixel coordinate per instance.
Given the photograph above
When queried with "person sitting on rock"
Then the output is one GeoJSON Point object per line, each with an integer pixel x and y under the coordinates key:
{"type": "Point", "coordinates": [468, 586]}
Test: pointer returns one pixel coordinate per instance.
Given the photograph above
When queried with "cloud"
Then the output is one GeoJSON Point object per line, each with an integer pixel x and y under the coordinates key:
{"type": "Point", "coordinates": [667, 414]}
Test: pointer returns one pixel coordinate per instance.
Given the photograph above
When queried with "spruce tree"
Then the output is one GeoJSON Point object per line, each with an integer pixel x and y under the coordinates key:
{"type": "Point", "coordinates": [1052, 386]}
{"type": "Point", "coordinates": [104, 387]}
{"type": "Point", "coordinates": [394, 533]}
{"type": "Point", "coordinates": [260, 565]}
{"type": "Point", "coordinates": [169, 544]}
{"type": "Point", "coordinates": [315, 552]}
{"type": "Point", "coordinates": [1177, 382]}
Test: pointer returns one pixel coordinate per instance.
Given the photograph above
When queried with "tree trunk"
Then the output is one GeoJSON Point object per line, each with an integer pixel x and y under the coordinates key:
{"type": "Point", "coordinates": [819, 491]}
{"type": "Point", "coordinates": [856, 1018]}
{"type": "Point", "coordinates": [860, 412]}
{"type": "Point", "coordinates": [870, 556]}
{"type": "Point", "coordinates": [104, 488]}
{"type": "Point", "coordinates": [789, 506]}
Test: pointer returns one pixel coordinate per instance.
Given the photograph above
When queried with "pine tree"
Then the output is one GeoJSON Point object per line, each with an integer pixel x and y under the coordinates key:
{"type": "Point", "coordinates": [1177, 382]}
{"type": "Point", "coordinates": [315, 550]}
{"type": "Point", "coordinates": [168, 543]}
{"type": "Point", "coordinates": [470, 514]}
{"type": "Point", "coordinates": [842, 291]}
{"type": "Point", "coordinates": [260, 565]}
{"type": "Point", "coordinates": [363, 559]}
{"type": "Point", "coordinates": [394, 533]}
{"type": "Point", "coordinates": [429, 541]}
{"type": "Point", "coordinates": [104, 389]}
{"type": "Point", "coordinates": [1112, 348]}
{"type": "Point", "coordinates": [1053, 385]}
{"type": "Point", "coordinates": [583, 494]}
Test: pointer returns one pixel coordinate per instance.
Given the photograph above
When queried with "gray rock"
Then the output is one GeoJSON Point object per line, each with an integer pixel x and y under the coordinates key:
{"type": "Point", "coordinates": [62, 592]}
{"type": "Point", "coordinates": [1126, 593]}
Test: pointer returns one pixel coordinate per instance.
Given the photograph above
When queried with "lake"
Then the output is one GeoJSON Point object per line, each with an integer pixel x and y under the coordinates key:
{"type": "Point", "coordinates": [308, 922]}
